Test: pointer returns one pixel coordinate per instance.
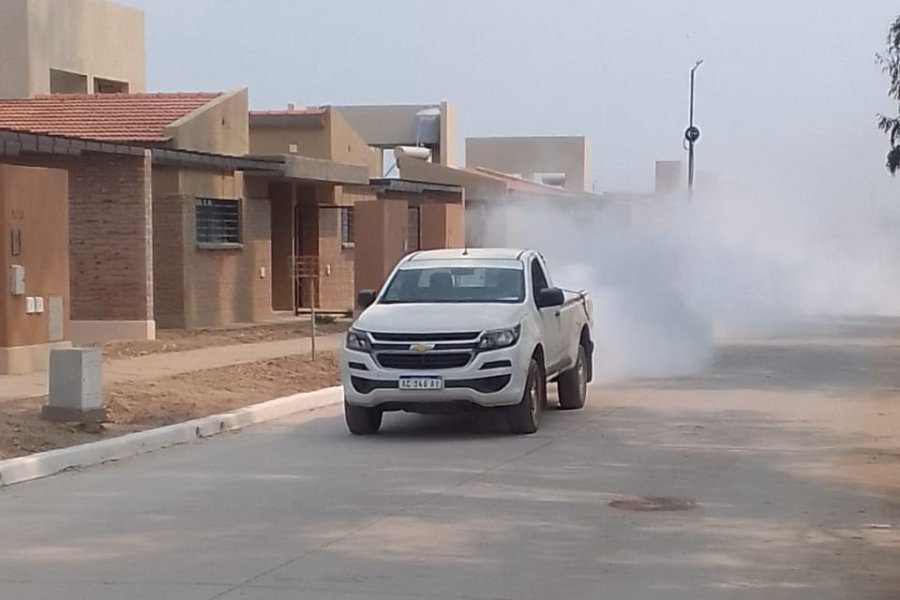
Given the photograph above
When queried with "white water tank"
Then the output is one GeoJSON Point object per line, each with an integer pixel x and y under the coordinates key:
{"type": "Point", "coordinates": [412, 152]}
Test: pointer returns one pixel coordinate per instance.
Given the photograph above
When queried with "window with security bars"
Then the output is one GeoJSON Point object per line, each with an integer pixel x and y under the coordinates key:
{"type": "Point", "coordinates": [218, 221]}
{"type": "Point", "coordinates": [347, 234]}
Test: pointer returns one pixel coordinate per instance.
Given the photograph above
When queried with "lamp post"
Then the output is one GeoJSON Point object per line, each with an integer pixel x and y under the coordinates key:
{"type": "Point", "coordinates": [692, 133]}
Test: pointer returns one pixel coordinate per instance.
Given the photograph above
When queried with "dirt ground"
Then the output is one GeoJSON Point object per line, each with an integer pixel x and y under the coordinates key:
{"type": "Point", "coordinates": [181, 340]}
{"type": "Point", "coordinates": [135, 406]}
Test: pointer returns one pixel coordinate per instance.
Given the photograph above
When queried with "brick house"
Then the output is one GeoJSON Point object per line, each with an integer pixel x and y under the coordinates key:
{"type": "Point", "coordinates": [162, 230]}
{"type": "Point", "coordinates": [328, 215]}
{"type": "Point", "coordinates": [327, 172]}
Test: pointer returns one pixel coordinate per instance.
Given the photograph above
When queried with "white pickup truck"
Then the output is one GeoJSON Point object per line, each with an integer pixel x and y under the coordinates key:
{"type": "Point", "coordinates": [460, 329]}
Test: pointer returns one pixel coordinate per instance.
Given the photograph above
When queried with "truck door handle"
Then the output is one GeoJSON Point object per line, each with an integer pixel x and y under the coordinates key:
{"type": "Point", "coordinates": [557, 314]}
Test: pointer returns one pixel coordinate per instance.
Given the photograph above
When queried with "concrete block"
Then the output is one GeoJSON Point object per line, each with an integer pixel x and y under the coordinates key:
{"type": "Point", "coordinates": [76, 386]}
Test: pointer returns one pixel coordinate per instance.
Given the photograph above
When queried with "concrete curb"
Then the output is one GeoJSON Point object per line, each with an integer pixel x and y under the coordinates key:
{"type": "Point", "coordinates": [44, 464]}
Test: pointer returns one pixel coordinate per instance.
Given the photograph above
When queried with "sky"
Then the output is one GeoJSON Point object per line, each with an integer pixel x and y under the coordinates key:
{"type": "Point", "coordinates": [789, 89]}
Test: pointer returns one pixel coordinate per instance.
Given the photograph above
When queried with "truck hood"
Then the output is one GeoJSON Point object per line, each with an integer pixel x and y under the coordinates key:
{"type": "Point", "coordinates": [445, 318]}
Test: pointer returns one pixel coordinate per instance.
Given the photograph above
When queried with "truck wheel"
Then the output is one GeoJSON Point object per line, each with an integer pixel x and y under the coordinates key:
{"type": "Point", "coordinates": [362, 420]}
{"type": "Point", "coordinates": [525, 417]}
{"type": "Point", "coordinates": [573, 383]}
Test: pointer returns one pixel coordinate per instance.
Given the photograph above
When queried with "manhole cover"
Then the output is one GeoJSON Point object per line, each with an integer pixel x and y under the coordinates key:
{"type": "Point", "coordinates": [656, 504]}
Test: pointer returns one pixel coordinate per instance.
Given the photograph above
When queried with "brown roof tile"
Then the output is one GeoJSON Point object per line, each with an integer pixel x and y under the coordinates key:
{"type": "Point", "coordinates": [108, 117]}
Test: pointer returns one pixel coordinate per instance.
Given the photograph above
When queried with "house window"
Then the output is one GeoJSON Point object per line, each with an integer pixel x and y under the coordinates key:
{"type": "Point", "coordinates": [109, 86]}
{"type": "Point", "coordinates": [347, 235]}
{"type": "Point", "coordinates": [218, 221]}
{"type": "Point", "coordinates": [65, 82]}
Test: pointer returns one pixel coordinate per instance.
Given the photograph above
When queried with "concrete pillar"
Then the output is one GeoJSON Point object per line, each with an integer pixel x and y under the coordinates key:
{"type": "Point", "coordinates": [380, 233]}
{"type": "Point", "coordinates": [76, 386]}
{"type": "Point", "coordinates": [441, 226]}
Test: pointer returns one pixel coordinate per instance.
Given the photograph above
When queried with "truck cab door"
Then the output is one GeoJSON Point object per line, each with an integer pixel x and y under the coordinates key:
{"type": "Point", "coordinates": [551, 328]}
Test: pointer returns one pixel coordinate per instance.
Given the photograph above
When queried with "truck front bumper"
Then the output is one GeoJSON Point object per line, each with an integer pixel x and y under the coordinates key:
{"type": "Point", "coordinates": [492, 379]}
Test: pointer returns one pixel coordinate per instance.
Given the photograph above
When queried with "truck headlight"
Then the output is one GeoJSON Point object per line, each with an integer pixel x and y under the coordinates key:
{"type": "Point", "coordinates": [501, 338]}
{"type": "Point", "coordinates": [357, 340]}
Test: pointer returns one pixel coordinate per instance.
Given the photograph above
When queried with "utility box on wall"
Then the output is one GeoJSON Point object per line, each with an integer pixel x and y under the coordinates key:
{"type": "Point", "coordinates": [17, 280]}
{"type": "Point", "coordinates": [34, 255]}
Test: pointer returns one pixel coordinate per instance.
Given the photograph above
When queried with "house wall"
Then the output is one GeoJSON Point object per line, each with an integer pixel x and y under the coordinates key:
{"type": "Point", "coordinates": [348, 147]}
{"type": "Point", "coordinates": [312, 139]}
{"type": "Point", "coordinates": [220, 127]}
{"type": "Point", "coordinates": [110, 244]}
{"type": "Point", "coordinates": [527, 156]}
{"type": "Point", "coordinates": [95, 38]}
{"type": "Point", "coordinates": [111, 247]}
{"type": "Point", "coordinates": [388, 126]}
{"type": "Point", "coordinates": [34, 202]}
{"type": "Point", "coordinates": [221, 285]}
{"type": "Point", "coordinates": [441, 226]}
{"type": "Point", "coordinates": [326, 136]}
{"type": "Point", "coordinates": [380, 236]}
{"type": "Point", "coordinates": [169, 228]}
{"type": "Point", "coordinates": [15, 58]}
{"type": "Point", "coordinates": [337, 289]}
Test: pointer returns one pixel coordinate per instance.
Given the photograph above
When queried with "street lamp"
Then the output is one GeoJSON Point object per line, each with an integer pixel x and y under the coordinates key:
{"type": "Point", "coordinates": [692, 133]}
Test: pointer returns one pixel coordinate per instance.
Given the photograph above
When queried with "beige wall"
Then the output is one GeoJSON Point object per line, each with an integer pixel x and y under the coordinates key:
{"type": "Point", "coordinates": [35, 202]}
{"type": "Point", "coordinates": [527, 156]}
{"type": "Point", "coordinates": [313, 142]}
{"type": "Point", "coordinates": [327, 136]}
{"type": "Point", "coordinates": [204, 287]}
{"type": "Point", "coordinates": [348, 147]}
{"type": "Point", "coordinates": [380, 236]}
{"type": "Point", "coordinates": [396, 125]}
{"type": "Point", "coordinates": [441, 226]}
{"type": "Point", "coordinates": [220, 127]}
{"type": "Point", "coordinates": [15, 76]}
{"type": "Point", "coordinates": [337, 289]}
{"type": "Point", "coordinates": [447, 152]}
{"type": "Point", "coordinates": [96, 38]}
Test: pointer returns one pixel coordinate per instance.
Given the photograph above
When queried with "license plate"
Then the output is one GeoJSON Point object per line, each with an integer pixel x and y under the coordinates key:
{"type": "Point", "coordinates": [421, 383]}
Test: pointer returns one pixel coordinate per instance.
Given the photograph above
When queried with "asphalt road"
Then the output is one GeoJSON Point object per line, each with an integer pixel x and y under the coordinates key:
{"type": "Point", "coordinates": [783, 454]}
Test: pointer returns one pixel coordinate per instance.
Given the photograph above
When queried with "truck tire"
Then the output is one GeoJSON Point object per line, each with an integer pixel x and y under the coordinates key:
{"type": "Point", "coordinates": [525, 417]}
{"type": "Point", "coordinates": [362, 420]}
{"type": "Point", "coordinates": [572, 384]}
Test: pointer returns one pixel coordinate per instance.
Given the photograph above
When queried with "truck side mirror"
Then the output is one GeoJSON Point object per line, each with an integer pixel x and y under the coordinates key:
{"type": "Point", "coordinates": [366, 298]}
{"type": "Point", "coordinates": [551, 297]}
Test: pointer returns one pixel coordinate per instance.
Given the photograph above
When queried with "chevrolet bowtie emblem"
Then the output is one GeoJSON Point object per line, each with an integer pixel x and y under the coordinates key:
{"type": "Point", "coordinates": [421, 347]}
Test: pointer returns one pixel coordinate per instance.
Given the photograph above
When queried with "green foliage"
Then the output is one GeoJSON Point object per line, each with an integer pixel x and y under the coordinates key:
{"type": "Point", "coordinates": [890, 64]}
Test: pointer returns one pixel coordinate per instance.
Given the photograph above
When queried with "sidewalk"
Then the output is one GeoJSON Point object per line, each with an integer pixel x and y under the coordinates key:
{"type": "Point", "coordinates": [156, 366]}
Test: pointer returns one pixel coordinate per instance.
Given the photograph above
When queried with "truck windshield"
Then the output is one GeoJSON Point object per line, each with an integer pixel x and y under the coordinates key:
{"type": "Point", "coordinates": [456, 285]}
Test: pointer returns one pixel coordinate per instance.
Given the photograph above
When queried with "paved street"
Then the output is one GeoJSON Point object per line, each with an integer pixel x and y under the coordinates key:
{"type": "Point", "coordinates": [789, 447]}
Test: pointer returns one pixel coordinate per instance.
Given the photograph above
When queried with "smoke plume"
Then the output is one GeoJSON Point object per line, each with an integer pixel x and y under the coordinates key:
{"type": "Point", "coordinates": [671, 277]}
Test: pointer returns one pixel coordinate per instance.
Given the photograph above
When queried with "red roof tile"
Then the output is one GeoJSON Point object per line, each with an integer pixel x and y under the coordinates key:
{"type": "Point", "coordinates": [108, 117]}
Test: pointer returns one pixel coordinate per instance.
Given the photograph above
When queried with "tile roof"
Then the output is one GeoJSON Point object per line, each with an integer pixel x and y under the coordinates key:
{"type": "Point", "coordinates": [107, 117]}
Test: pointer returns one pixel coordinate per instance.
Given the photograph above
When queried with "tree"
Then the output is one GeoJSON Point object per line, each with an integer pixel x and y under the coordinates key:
{"type": "Point", "coordinates": [890, 64]}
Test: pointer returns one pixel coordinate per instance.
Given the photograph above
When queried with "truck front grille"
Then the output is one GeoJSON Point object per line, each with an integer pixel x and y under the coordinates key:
{"type": "Point", "coordinates": [423, 361]}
